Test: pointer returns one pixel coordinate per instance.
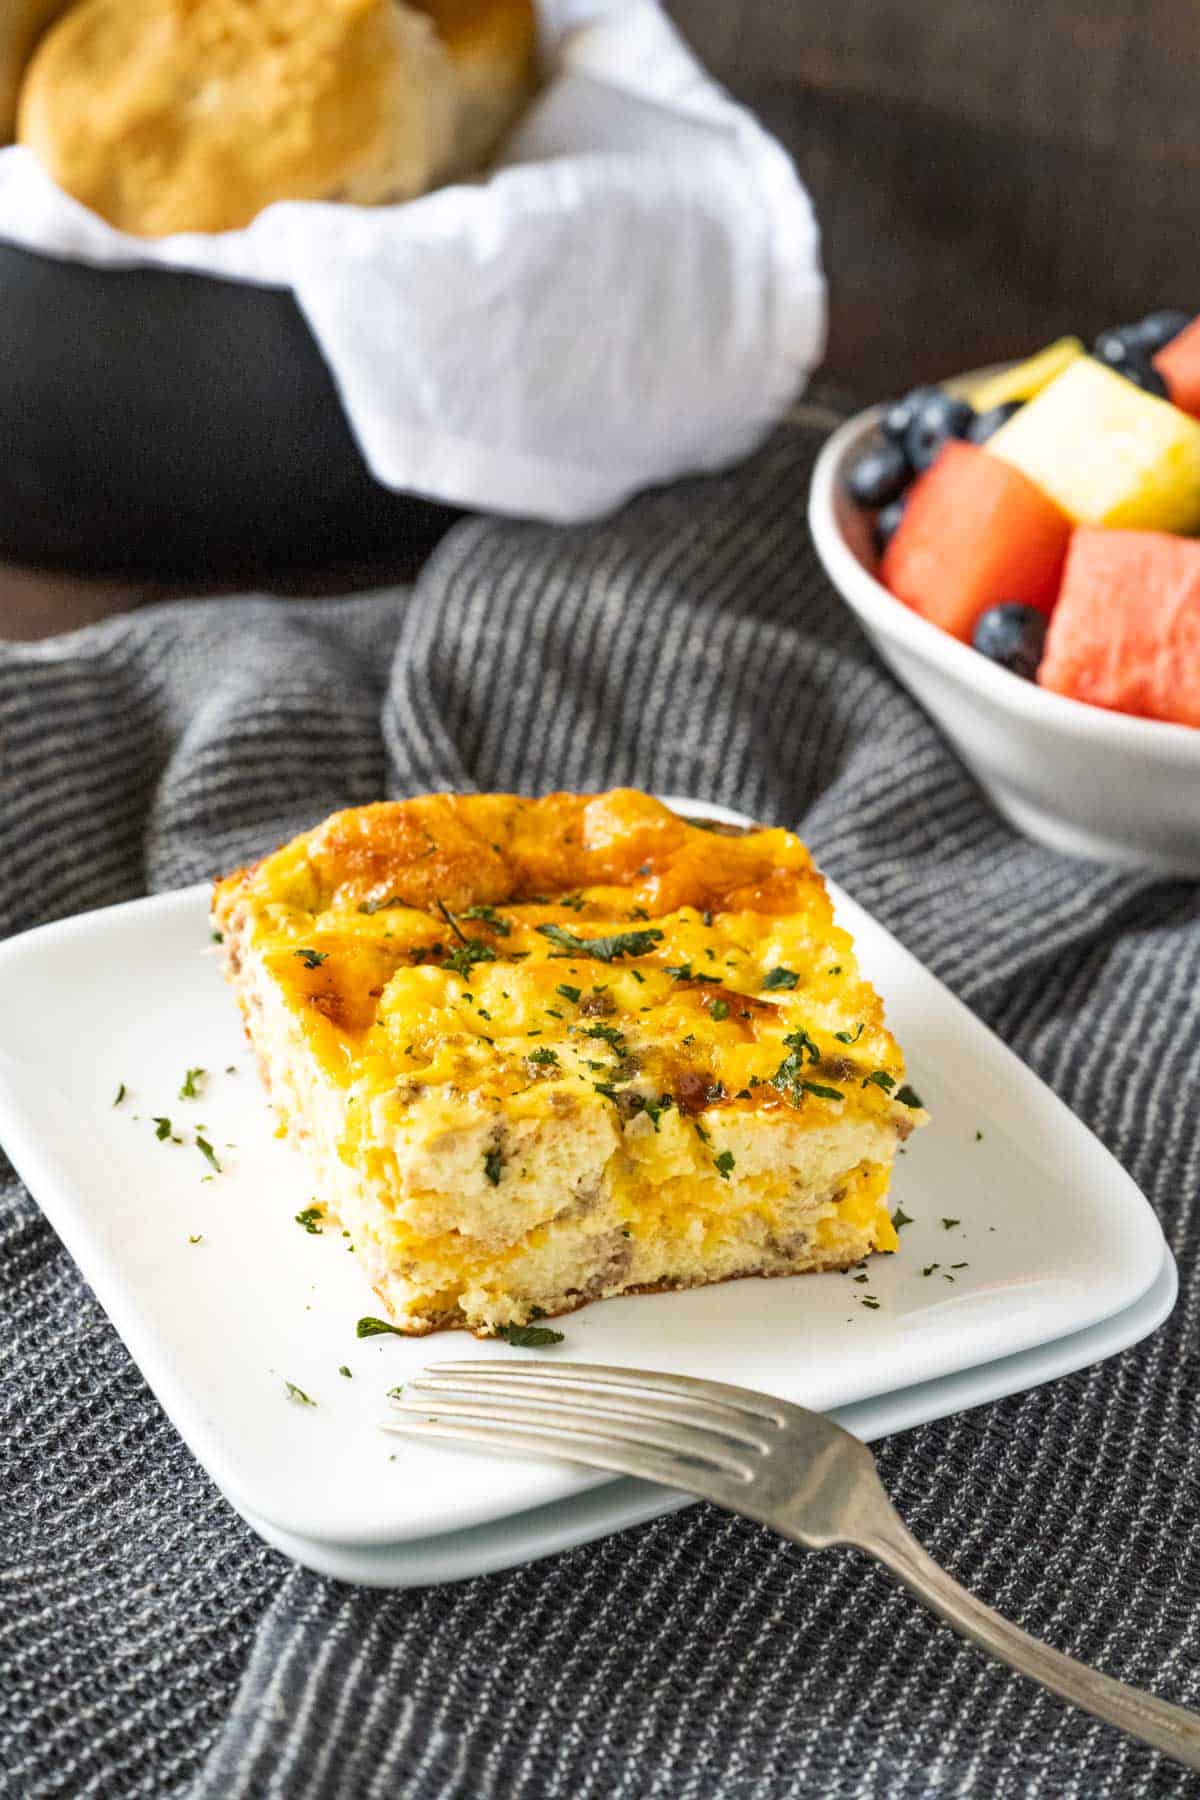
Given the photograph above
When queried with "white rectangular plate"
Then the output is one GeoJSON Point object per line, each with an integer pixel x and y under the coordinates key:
{"type": "Point", "coordinates": [1052, 1237]}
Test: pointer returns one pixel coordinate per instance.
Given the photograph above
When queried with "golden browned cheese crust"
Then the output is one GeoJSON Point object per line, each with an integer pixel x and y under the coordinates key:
{"type": "Point", "coordinates": [545, 1051]}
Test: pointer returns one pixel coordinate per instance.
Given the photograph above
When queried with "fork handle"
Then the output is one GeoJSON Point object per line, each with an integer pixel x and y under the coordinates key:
{"type": "Point", "coordinates": [1172, 1729]}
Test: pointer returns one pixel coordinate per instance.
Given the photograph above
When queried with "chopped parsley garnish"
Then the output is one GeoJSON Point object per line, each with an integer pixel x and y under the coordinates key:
{"type": "Point", "coordinates": [949, 1224]}
{"type": "Point", "coordinates": [298, 1394]}
{"type": "Point", "coordinates": [374, 906]}
{"type": "Point", "coordinates": [189, 1090]}
{"type": "Point", "coordinates": [822, 1093]}
{"type": "Point", "coordinates": [787, 1077]}
{"type": "Point", "coordinates": [528, 1337]}
{"type": "Point", "coordinates": [961, 1265]}
{"type": "Point", "coordinates": [803, 1045]}
{"type": "Point", "coordinates": [119, 1095]}
{"type": "Point", "coordinates": [394, 1393]}
{"type": "Point", "coordinates": [723, 1164]}
{"type": "Point", "coordinates": [574, 901]}
{"type": "Point", "coordinates": [311, 1218]}
{"type": "Point", "coordinates": [702, 1132]}
{"type": "Point", "coordinates": [372, 1327]}
{"type": "Point", "coordinates": [545, 1057]}
{"type": "Point", "coordinates": [312, 959]}
{"type": "Point", "coordinates": [343, 1370]}
{"type": "Point", "coordinates": [861, 1279]}
{"type": "Point", "coordinates": [493, 1162]}
{"type": "Point", "coordinates": [488, 914]}
{"type": "Point", "coordinates": [719, 1010]}
{"type": "Point", "coordinates": [780, 977]}
{"type": "Point", "coordinates": [870, 1303]}
{"type": "Point", "coordinates": [849, 1037]}
{"type": "Point", "coordinates": [604, 949]}
{"type": "Point", "coordinates": [836, 969]}
{"type": "Point", "coordinates": [610, 1035]}
{"type": "Point", "coordinates": [162, 1129]}
{"type": "Point", "coordinates": [979, 1137]}
{"type": "Point", "coordinates": [198, 1239]}
{"type": "Point", "coordinates": [881, 1079]}
{"type": "Point", "coordinates": [899, 1218]}
{"type": "Point", "coordinates": [908, 1096]}
{"type": "Point", "coordinates": [606, 1088]}
{"type": "Point", "coordinates": [654, 1109]}
{"type": "Point", "coordinates": [469, 952]}
{"type": "Point", "coordinates": [638, 976]}
{"type": "Point", "coordinates": [568, 992]}
{"type": "Point", "coordinates": [207, 1152]}
{"type": "Point", "coordinates": [218, 937]}
{"type": "Point", "coordinates": [931, 1268]}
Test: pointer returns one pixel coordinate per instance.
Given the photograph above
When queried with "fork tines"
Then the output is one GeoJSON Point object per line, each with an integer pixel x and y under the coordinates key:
{"type": "Point", "coordinates": [701, 1436]}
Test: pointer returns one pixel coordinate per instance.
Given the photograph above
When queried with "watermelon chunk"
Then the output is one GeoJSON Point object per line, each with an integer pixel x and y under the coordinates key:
{"type": "Point", "coordinates": [975, 532]}
{"type": "Point", "coordinates": [1179, 365]}
{"type": "Point", "coordinates": [1126, 631]}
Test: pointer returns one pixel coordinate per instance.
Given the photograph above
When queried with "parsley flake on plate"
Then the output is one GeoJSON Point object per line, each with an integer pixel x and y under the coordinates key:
{"type": "Point", "coordinates": [528, 1337]}
{"type": "Point", "coordinates": [207, 1152]}
{"type": "Point", "coordinates": [371, 1327]}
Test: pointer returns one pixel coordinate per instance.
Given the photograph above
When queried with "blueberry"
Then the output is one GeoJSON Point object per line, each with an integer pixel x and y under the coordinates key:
{"type": "Point", "coordinates": [899, 416]}
{"type": "Point", "coordinates": [1013, 636]}
{"type": "Point", "coordinates": [886, 523]}
{"type": "Point", "coordinates": [1158, 328]}
{"type": "Point", "coordinates": [942, 416]}
{"type": "Point", "coordinates": [1143, 374]}
{"type": "Point", "coordinates": [984, 425]}
{"type": "Point", "coordinates": [879, 476]}
{"type": "Point", "coordinates": [1117, 346]}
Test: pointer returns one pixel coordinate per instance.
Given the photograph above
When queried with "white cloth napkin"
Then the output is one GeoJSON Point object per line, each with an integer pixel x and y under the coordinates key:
{"type": "Point", "coordinates": [633, 293]}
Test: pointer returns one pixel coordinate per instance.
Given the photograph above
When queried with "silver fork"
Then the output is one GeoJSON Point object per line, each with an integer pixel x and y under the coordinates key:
{"type": "Point", "coordinates": [773, 1462]}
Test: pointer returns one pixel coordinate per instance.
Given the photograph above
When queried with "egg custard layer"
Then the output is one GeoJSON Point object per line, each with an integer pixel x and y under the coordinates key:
{"type": "Point", "coordinates": [541, 1052]}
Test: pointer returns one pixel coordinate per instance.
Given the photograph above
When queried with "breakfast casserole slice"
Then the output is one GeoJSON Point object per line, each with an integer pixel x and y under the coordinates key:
{"type": "Point", "coordinates": [540, 1052]}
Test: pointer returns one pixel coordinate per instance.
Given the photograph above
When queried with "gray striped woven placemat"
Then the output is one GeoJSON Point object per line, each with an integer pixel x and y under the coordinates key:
{"type": "Point", "coordinates": [150, 1645]}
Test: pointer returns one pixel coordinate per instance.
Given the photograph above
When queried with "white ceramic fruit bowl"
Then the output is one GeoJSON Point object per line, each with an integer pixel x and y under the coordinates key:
{"type": "Point", "coordinates": [1082, 780]}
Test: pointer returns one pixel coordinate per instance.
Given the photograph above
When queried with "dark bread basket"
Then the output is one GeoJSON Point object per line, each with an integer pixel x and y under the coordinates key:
{"type": "Point", "coordinates": [165, 426]}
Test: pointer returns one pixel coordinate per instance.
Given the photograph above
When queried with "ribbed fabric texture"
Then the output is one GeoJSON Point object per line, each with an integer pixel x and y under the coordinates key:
{"type": "Point", "coordinates": [150, 1645]}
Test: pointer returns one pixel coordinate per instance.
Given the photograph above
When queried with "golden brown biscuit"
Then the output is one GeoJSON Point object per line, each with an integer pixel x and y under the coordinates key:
{"type": "Point", "coordinates": [193, 115]}
{"type": "Point", "coordinates": [492, 45]}
{"type": "Point", "coordinates": [21, 24]}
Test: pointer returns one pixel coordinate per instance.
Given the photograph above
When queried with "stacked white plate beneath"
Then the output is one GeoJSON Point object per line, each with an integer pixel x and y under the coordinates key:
{"type": "Point", "coordinates": [1030, 1253]}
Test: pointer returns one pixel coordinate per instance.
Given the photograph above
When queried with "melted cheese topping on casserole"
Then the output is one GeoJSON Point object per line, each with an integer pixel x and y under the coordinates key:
{"type": "Point", "coordinates": [546, 1050]}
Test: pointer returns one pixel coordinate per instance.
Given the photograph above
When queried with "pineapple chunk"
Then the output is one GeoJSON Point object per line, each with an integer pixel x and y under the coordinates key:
{"type": "Point", "coordinates": [1106, 452]}
{"type": "Point", "coordinates": [1028, 378]}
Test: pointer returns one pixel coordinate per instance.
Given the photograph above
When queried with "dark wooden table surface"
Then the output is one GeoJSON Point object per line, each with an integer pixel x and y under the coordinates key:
{"type": "Point", "coordinates": [987, 174]}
